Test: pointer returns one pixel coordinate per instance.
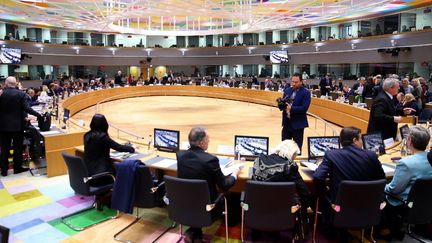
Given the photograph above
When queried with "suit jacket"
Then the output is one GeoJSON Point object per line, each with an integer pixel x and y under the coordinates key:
{"type": "Point", "coordinates": [97, 152]}
{"type": "Point", "coordinates": [299, 107]}
{"type": "Point", "coordinates": [348, 163]}
{"type": "Point", "coordinates": [323, 83]}
{"type": "Point", "coordinates": [13, 107]}
{"type": "Point", "coordinates": [195, 163]}
{"type": "Point", "coordinates": [381, 116]}
{"type": "Point", "coordinates": [407, 171]}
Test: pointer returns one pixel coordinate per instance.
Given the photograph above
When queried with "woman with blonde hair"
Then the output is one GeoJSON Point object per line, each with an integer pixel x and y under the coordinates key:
{"type": "Point", "coordinates": [410, 102]}
{"type": "Point", "coordinates": [280, 167]}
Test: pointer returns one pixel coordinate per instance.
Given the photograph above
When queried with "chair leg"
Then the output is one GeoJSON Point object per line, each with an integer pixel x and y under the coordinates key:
{"type": "Point", "coordinates": [315, 221]}
{"type": "Point", "coordinates": [124, 229]}
{"type": "Point", "coordinates": [226, 220]}
{"type": "Point", "coordinates": [242, 226]}
{"type": "Point", "coordinates": [415, 237]}
{"type": "Point", "coordinates": [181, 234]}
{"type": "Point", "coordinates": [371, 235]}
{"type": "Point", "coordinates": [174, 224]}
{"type": "Point", "coordinates": [63, 219]}
{"type": "Point", "coordinates": [362, 235]}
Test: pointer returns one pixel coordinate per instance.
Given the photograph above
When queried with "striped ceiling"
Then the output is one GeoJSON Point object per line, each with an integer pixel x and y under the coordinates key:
{"type": "Point", "coordinates": [193, 17]}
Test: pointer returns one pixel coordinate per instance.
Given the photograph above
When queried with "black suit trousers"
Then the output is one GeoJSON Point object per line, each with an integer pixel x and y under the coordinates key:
{"type": "Point", "coordinates": [6, 139]}
{"type": "Point", "coordinates": [295, 134]}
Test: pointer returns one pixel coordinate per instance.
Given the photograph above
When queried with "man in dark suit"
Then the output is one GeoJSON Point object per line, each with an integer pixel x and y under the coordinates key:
{"type": "Point", "coordinates": [325, 84]}
{"type": "Point", "coordinates": [13, 106]}
{"type": "Point", "coordinates": [196, 163]}
{"type": "Point", "coordinates": [384, 116]}
{"type": "Point", "coordinates": [351, 162]}
{"type": "Point", "coordinates": [294, 118]}
{"type": "Point", "coordinates": [118, 78]}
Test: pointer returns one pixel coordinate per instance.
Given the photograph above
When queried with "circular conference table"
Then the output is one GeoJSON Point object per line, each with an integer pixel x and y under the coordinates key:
{"type": "Point", "coordinates": [337, 113]}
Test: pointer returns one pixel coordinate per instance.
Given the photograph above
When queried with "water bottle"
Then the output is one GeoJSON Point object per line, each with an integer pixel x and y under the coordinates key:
{"type": "Point", "coordinates": [403, 150]}
{"type": "Point", "coordinates": [237, 153]}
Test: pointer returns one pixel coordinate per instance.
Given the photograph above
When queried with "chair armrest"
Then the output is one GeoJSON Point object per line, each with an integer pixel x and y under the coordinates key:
{"type": "Point", "coordinates": [100, 175]}
{"type": "Point", "coordinates": [210, 207]}
{"type": "Point", "coordinates": [154, 189]}
{"type": "Point", "coordinates": [396, 197]}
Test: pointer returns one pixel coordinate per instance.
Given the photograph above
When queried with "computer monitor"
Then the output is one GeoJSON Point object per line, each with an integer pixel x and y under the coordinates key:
{"type": "Point", "coordinates": [373, 142]}
{"type": "Point", "coordinates": [251, 147]}
{"type": "Point", "coordinates": [166, 140]}
{"type": "Point", "coordinates": [404, 131]}
{"type": "Point", "coordinates": [317, 146]}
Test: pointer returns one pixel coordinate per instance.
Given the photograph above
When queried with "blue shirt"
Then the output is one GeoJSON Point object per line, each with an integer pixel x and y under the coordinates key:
{"type": "Point", "coordinates": [407, 171]}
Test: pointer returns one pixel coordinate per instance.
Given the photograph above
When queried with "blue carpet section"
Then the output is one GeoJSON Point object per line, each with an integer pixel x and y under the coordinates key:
{"type": "Point", "coordinates": [41, 233]}
{"type": "Point", "coordinates": [26, 225]}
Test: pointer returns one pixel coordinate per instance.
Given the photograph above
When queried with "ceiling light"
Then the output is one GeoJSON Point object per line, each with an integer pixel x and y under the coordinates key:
{"type": "Point", "coordinates": [250, 51]}
{"type": "Point", "coordinates": [77, 51]}
{"type": "Point", "coordinates": [317, 48]}
{"type": "Point", "coordinates": [393, 43]}
{"type": "Point", "coordinates": [353, 46]}
{"type": "Point", "coordinates": [113, 52]}
{"type": "Point", "coordinates": [41, 49]}
{"type": "Point", "coordinates": [217, 53]}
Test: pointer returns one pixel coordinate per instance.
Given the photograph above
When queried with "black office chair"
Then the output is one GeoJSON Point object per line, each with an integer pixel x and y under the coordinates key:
{"type": "Point", "coordinates": [79, 180]}
{"type": "Point", "coordinates": [268, 206]}
{"type": "Point", "coordinates": [189, 204]}
{"type": "Point", "coordinates": [146, 195]}
{"type": "Point", "coordinates": [425, 115]}
{"type": "Point", "coordinates": [4, 234]}
{"type": "Point", "coordinates": [358, 205]}
{"type": "Point", "coordinates": [418, 208]}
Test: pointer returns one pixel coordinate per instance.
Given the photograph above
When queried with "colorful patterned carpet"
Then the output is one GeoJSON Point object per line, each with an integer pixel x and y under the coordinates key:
{"type": "Point", "coordinates": [32, 205]}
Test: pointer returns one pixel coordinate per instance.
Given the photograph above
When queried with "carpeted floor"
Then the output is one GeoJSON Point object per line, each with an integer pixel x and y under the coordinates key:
{"type": "Point", "coordinates": [32, 205]}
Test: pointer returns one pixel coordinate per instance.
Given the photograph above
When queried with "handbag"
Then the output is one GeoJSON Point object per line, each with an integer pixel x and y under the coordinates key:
{"type": "Point", "coordinates": [45, 123]}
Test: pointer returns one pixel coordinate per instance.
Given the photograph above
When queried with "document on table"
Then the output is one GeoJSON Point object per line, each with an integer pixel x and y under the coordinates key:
{"type": "Point", "coordinates": [121, 155]}
{"type": "Point", "coordinates": [228, 170]}
{"type": "Point", "coordinates": [51, 132]}
{"type": "Point", "coordinates": [311, 166]}
{"type": "Point", "coordinates": [165, 163]}
{"type": "Point", "coordinates": [388, 169]}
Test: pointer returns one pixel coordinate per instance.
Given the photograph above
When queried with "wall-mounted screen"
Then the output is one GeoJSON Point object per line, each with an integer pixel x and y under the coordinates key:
{"type": "Point", "coordinates": [279, 57]}
{"type": "Point", "coordinates": [10, 55]}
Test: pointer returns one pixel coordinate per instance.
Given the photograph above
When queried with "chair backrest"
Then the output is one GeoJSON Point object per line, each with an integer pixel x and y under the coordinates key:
{"type": "Point", "coordinates": [269, 205]}
{"type": "Point", "coordinates": [419, 201]}
{"type": "Point", "coordinates": [187, 201]}
{"type": "Point", "coordinates": [77, 170]}
{"type": "Point", "coordinates": [358, 203]}
{"type": "Point", "coordinates": [144, 198]}
{"type": "Point", "coordinates": [425, 115]}
{"type": "Point", "coordinates": [4, 234]}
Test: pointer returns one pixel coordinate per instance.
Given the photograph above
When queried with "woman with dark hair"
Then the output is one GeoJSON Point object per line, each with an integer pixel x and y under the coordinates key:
{"type": "Point", "coordinates": [97, 145]}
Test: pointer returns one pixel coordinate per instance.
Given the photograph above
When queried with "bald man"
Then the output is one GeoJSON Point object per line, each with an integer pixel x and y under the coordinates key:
{"type": "Point", "coordinates": [13, 106]}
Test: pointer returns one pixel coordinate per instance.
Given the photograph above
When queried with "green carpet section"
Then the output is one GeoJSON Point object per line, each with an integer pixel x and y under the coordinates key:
{"type": "Point", "coordinates": [83, 219]}
{"type": "Point", "coordinates": [62, 227]}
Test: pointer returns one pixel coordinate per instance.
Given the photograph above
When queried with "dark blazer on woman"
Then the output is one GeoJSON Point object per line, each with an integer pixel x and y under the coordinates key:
{"type": "Point", "coordinates": [97, 147]}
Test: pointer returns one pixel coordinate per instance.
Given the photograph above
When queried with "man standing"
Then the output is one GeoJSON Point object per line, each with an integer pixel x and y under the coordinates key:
{"type": "Point", "coordinates": [325, 85]}
{"type": "Point", "coordinates": [118, 78]}
{"type": "Point", "coordinates": [383, 115]}
{"type": "Point", "coordinates": [196, 163]}
{"type": "Point", "coordinates": [294, 118]}
{"type": "Point", "coordinates": [13, 105]}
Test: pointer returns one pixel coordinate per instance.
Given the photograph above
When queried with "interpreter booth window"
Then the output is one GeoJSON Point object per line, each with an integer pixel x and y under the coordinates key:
{"type": "Point", "coordinates": [193, 41]}
{"type": "Point", "coordinates": [180, 41]}
{"type": "Point", "coordinates": [250, 70]}
{"type": "Point", "coordinates": [324, 32]}
{"type": "Point", "coordinates": [269, 37]}
{"type": "Point", "coordinates": [345, 30]}
{"type": "Point", "coordinates": [283, 36]}
{"type": "Point", "coordinates": [407, 22]}
{"type": "Point", "coordinates": [284, 70]}
{"type": "Point", "coordinates": [250, 39]}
